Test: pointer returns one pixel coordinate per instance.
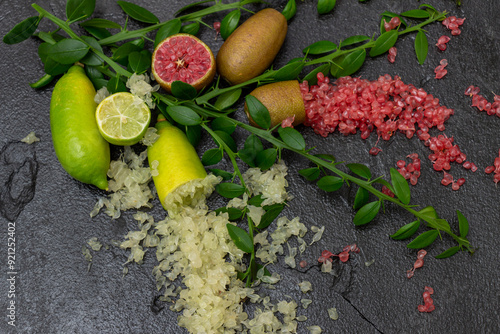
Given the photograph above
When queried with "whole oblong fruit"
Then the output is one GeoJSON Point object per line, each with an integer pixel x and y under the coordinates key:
{"type": "Point", "coordinates": [252, 47]}
{"type": "Point", "coordinates": [79, 146]}
{"type": "Point", "coordinates": [282, 99]}
{"type": "Point", "coordinates": [185, 58]}
{"type": "Point", "coordinates": [174, 159]}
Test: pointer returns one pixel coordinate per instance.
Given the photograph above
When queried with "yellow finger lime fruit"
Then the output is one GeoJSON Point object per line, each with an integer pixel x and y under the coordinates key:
{"type": "Point", "coordinates": [123, 119]}
{"type": "Point", "coordinates": [79, 146]}
{"type": "Point", "coordinates": [173, 159]}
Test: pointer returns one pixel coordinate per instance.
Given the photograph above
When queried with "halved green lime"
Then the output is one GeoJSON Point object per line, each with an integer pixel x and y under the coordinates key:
{"type": "Point", "coordinates": [123, 119]}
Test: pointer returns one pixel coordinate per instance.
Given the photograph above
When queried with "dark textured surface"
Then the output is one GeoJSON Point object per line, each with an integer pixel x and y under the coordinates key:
{"type": "Point", "coordinates": [56, 294]}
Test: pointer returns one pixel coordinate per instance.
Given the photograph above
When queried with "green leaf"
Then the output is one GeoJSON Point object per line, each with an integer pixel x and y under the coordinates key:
{"type": "Point", "coordinates": [139, 62]}
{"type": "Point", "coordinates": [182, 90]}
{"type": "Point", "coordinates": [312, 77]}
{"type": "Point", "coordinates": [429, 213]}
{"type": "Point", "coordinates": [289, 71]}
{"type": "Point", "coordinates": [54, 68]}
{"type": "Point", "coordinates": [320, 47]}
{"type": "Point", "coordinates": [96, 77]}
{"type": "Point", "coordinates": [115, 85]}
{"type": "Point", "coordinates": [252, 147]}
{"type": "Point", "coordinates": [447, 253]}
{"type": "Point", "coordinates": [230, 190]}
{"type": "Point", "coordinates": [416, 14]}
{"type": "Point", "coordinates": [68, 51]}
{"type": "Point", "coordinates": [255, 200]}
{"type": "Point", "coordinates": [289, 10]}
{"type": "Point", "coordinates": [77, 10]}
{"type": "Point", "coordinates": [222, 173]}
{"type": "Point", "coordinates": [223, 124]}
{"type": "Point", "coordinates": [51, 38]}
{"type": "Point", "coordinates": [463, 225]}
{"type": "Point", "coordinates": [240, 238]}
{"type": "Point", "coordinates": [406, 231]}
{"type": "Point", "coordinates": [91, 58]}
{"type": "Point", "coordinates": [193, 133]}
{"type": "Point", "coordinates": [330, 183]}
{"type": "Point", "coordinates": [367, 213]}
{"type": "Point", "coordinates": [428, 8]}
{"type": "Point", "coordinates": [183, 115]}
{"type": "Point", "coordinates": [43, 51]}
{"type": "Point", "coordinates": [22, 31]}
{"type": "Point", "coordinates": [350, 64]}
{"type": "Point", "coordinates": [401, 187]}
{"type": "Point", "coordinates": [233, 213]}
{"type": "Point", "coordinates": [292, 138]}
{"type": "Point", "coordinates": [421, 46]}
{"type": "Point", "coordinates": [229, 23]}
{"type": "Point", "coordinates": [258, 112]}
{"type": "Point", "coordinates": [170, 28]}
{"type": "Point", "coordinates": [227, 99]}
{"type": "Point", "coordinates": [137, 12]}
{"type": "Point", "coordinates": [248, 156]}
{"type": "Point", "coordinates": [353, 40]}
{"type": "Point", "coordinates": [99, 33]}
{"type": "Point", "coordinates": [360, 170]}
{"type": "Point", "coordinates": [254, 143]}
{"type": "Point", "coordinates": [191, 5]}
{"type": "Point", "coordinates": [310, 174]}
{"type": "Point", "coordinates": [228, 140]}
{"type": "Point", "coordinates": [211, 157]}
{"type": "Point", "coordinates": [123, 51]}
{"type": "Point", "coordinates": [326, 6]}
{"type": "Point", "coordinates": [423, 240]}
{"type": "Point", "coordinates": [101, 23]}
{"type": "Point", "coordinates": [361, 198]}
{"type": "Point", "coordinates": [265, 159]}
{"type": "Point", "coordinates": [270, 215]}
{"type": "Point", "coordinates": [384, 42]}
{"type": "Point", "coordinates": [190, 28]}
{"type": "Point", "coordinates": [42, 82]}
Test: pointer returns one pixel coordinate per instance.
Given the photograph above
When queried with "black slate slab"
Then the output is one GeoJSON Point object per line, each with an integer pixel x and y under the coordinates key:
{"type": "Point", "coordinates": [55, 293]}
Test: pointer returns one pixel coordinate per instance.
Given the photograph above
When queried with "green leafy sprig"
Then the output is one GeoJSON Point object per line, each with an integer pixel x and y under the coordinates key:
{"type": "Point", "coordinates": [345, 58]}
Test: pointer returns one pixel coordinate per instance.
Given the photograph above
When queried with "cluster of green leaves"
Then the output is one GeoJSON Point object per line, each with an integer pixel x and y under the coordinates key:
{"type": "Point", "coordinates": [367, 210]}
{"type": "Point", "coordinates": [347, 57]}
{"type": "Point", "coordinates": [58, 52]}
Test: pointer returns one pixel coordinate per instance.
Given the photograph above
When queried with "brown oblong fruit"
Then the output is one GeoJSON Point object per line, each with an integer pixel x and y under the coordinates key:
{"type": "Point", "coordinates": [282, 99]}
{"type": "Point", "coordinates": [252, 47]}
{"type": "Point", "coordinates": [183, 57]}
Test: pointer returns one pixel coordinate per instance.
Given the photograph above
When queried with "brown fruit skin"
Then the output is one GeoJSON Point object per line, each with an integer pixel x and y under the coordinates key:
{"type": "Point", "coordinates": [252, 47]}
{"type": "Point", "coordinates": [282, 99]}
{"type": "Point", "coordinates": [202, 83]}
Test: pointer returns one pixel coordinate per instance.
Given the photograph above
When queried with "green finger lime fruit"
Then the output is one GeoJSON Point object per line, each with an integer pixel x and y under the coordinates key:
{"type": "Point", "coordinates": [174, 158]}
{"type": "Point", "coordinates": [79, 146]}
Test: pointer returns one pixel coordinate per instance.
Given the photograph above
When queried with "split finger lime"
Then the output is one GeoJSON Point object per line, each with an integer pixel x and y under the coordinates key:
{"type": "Point", "coordinates": [123, 119]}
